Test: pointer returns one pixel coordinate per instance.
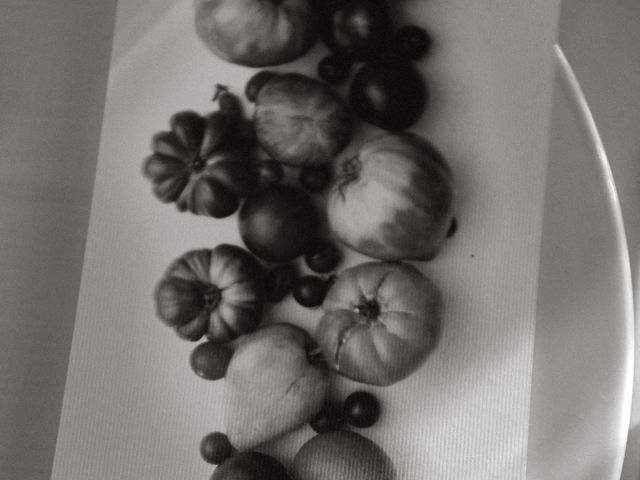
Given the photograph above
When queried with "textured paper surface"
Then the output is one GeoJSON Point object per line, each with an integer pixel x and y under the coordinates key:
{"type": "Point", "coordinates": [133, 408]}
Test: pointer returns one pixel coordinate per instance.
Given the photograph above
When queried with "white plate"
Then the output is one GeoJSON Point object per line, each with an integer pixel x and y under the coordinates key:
{"type": "Point", "coordinates": [583, 361]}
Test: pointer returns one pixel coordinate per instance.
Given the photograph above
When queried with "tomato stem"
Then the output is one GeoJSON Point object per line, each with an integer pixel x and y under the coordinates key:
{"type": "Point", "coordinates": [220, 89]}
{"type": "Point", "coordinates": [212, 296]}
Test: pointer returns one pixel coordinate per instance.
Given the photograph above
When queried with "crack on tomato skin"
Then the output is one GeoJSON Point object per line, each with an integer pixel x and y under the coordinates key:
{"type": "Point", "coordinates": [343, 337]}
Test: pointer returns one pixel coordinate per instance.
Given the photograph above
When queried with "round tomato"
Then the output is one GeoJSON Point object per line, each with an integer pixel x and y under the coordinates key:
{"type": "Point", "coordinates": [381, 322]}
{"type": "Point", "coordinates": [406, 188]}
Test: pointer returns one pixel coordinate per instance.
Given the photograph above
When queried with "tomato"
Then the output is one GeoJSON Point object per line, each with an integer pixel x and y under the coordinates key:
{"type": "Point", "coordinates": [362, 409]}
{"type": "Point", "coordinates": [316, 178]}
{"type": "Point", "coordinates": [381, 321]}
{"type": "Point", "coordinates": [269, 173]}
{"type": "Point", "coordinates": [330, 417]}
{"type": "Point", "coordinates": [215, 448]}
{"type": "Point", "coordinates": [280, 281]}
{"type": "Point", "coordinates": [356, 29]}
{"type": "Point", "coordinates": [255, 84]}
{"type": "Point", "coordinates": [257, 33]}
{"type": "Point", "coordinates": [389, 93]}
{"type": "Point", "coordinates": [323, 257]}
{"type": "Point", "coordinates": [309, 291]}
{"type": "Point", "coordinates": [405, 186]}
{"type": "Point", "coordinates": [411, 42]}
{"type": "Point", "coordinates": [334, 69]}
{"type": "Point", "coordinates": [210, 360]}
{"type": "Point", "coordinates": [279, 224]}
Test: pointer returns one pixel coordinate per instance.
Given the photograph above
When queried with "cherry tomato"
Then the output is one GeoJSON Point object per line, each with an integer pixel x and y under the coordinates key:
{"type": "Point", "coordinates": [309, 291]}
{"type": "Point", "coordinates": [334, 69]}
{"type": "Point", "coordinates": [215, 448]}
{"type": "Point", "coordinates": [315, 179]}
{"type": "Point", "coordinates": [269, 173]}
{"type": "Point", "coordinates": [210, 360]}
{"type": "Point", "coordinates": [412, 42]}
{"type": "Point", "coordinates": [329, 418]}
{"type": "Point", "coordinates": [356, 29]}
{"type": "Point", "coordinates": [362, 409]}
{"type": "Point", "coordinates": [255, 83]}
{"type": "Point", "coordinates": [279, 282]}
{"type": "Point", "coordinates": [323, 257]}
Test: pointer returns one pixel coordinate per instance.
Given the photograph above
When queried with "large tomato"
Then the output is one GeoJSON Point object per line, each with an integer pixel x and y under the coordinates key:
{"type": "Point", "coordinates": [381, 321]}
{"type": "Point", "coordinates": [257, 33]}
{"type": "Point", "coordinates": [394, 199]}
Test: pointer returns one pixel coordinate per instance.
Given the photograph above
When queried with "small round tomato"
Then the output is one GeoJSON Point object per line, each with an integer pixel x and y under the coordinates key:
{"type": "Point", "coordinates": [209, 360]}
{"type": "Point", "coordinates": [215, 448]}
{"type": "Point", "coordinates": [412, 42]}
{"type": "Point", "coordinates": [269, 173]}
{"type": "Point", "coordinates": [362, 409]}
{"type": "Point", "coordinates": [323, 257]}
{"type": "Point", "coordinates": [334, 69]}
{"type": "Point", "coordinates": [310, 290]}
{"type": "Point", "coordinates": [315, 179]}
{"type": "Point", "coordinates": [330, 418]}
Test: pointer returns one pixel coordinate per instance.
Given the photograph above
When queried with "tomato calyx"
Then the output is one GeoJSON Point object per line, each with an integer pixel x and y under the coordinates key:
{"type": "Point", "coordinates": [197, 163]}
{"type": "Point", "coordinates": [369, 309]}
{"type": "Point", "coordinates": [349, 172]}
{"type": "Point", "coordinates": [212, 296]}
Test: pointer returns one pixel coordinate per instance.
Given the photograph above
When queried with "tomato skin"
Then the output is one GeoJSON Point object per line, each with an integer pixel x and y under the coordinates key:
{"type": "Point", "coordinates": [381, 322]}
{"type": "Point", "coordinates": [389, 93]}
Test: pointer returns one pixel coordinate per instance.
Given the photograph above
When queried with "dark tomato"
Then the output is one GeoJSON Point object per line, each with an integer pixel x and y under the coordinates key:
{"type": "Point", "coordinates": [269, 173]}
{"type": "Point", "coordinates": [411, 42]}
{"type": "Point", "coordinates": [279, 282]}
{"type": "Point", "coordinates": [215, 448]}
{"type": "Point", "coordinates": [256, 83]}
{"type": "Point", "coordinates": [389, 93]}
{"type": "Point", "coordinates": [329, 418]}
{"type": "Point", "coordinates": [362, 409]}
{"type": "Point", "coordinates": [210, 360]}
{"type": "Point", "coordinates": [356, 29]}
{"type": "Point", "coordinates": [323, 257]}
{"type": "Point", "coordinates": [315, 179]}
{"type": "Point", "coordinates": [309, 291]}
{"type": "Point", "coordinates": [334, 69]}
{"type": "Point", "coordinates": [279, 224]}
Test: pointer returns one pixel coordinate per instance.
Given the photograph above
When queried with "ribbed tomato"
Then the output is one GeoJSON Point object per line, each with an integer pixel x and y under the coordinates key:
{"type": "Point", "coordinates": [394, 199]}
{"type": "Point", "coordinates": [381, 321]}
{"type": "Point", "coordinates": [217, 293]}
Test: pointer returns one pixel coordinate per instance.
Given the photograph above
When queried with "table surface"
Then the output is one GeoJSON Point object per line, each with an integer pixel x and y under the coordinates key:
{"type": "Point", "coordinates": [44, 205]}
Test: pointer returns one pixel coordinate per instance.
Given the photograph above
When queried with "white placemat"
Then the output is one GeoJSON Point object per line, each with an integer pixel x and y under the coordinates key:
{"type": "Point", "coordinates": [132, 407]}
